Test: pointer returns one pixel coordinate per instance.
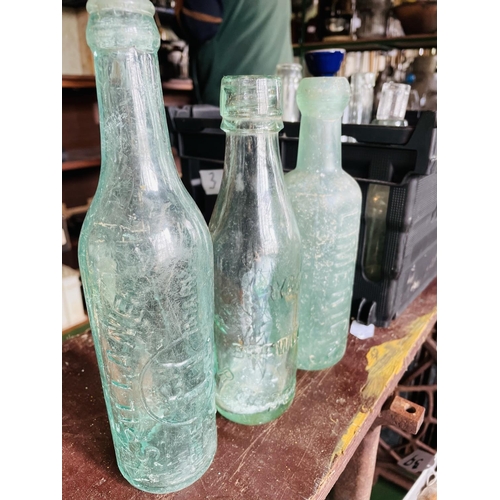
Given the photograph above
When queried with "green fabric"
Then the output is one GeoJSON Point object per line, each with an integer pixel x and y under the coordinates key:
{"type": "Point", "coordinates": [253, 38]}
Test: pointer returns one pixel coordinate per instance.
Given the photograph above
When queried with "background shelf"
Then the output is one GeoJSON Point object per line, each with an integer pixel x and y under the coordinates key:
{"type": "Point", "coordinates": [384, 44]}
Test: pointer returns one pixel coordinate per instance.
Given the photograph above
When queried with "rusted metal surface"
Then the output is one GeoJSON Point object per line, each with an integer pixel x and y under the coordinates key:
{"type": "Point", "coordinates": [356, 481]}
{"type": "Point", "coordinates": [418, 384]}
{"type": "Point", "coordinates": [298, 456]}
{"type": "Point", "coordinates": [403, 414]}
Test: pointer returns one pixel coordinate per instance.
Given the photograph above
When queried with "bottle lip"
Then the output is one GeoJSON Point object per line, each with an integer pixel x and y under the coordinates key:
{"type": "Point", "coordinates": [251, 98]}
{"type": "Point", "coordinates": [323, 97]}
{"type": "Point", "coordinates": [135, 6]}
{"type": "Point", "coordinates": [293, 66]}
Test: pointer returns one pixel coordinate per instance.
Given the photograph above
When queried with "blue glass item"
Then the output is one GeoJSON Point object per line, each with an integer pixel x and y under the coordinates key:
{"type": "Point", "coordinates": [324, 62]}
{"type": "Point", "coordinates": [257, 254]}
{"type": "Point", "coordinates": [327, 205]}
{"type": "Point", "coordinates": [146, 263]}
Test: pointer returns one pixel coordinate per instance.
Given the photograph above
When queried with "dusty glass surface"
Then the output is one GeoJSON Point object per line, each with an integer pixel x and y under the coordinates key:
{"type": "Point", "coordinates": [146, 263]}
{"type": "Point", "coordinates": [257, 259]}
{"type": "Point", "coordinates": [327, 205]}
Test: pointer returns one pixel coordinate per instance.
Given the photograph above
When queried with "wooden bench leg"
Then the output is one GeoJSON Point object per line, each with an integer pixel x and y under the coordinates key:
{"type": "Point", "coordinates": [356, 482]}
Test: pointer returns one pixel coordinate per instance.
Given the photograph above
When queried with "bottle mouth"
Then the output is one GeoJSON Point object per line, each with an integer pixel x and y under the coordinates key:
{"type": "Point", "coordinates": [135, 6]}
{"type": "Point", "coordinates": [250, 96]}
{"type": "Point", "coordinates": [289, 67]}
{"type": "Point", "coordinates": [117, 25]}
{"type": "Point", "coordinates": [251, 102]}
{"type": "Point", "coordinates": [323, 97]}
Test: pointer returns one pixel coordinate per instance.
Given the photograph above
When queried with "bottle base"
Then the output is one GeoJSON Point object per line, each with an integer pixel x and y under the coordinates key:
{"type": "Point", "coordinates": [161, 490]}
{"type": "Point", "coordinates": [256, 418]}
{"type": "Point", "coordinates": [311, 366]}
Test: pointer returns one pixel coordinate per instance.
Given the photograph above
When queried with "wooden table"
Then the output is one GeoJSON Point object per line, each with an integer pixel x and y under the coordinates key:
{"type": "Point", "coordinates": [298, 456]}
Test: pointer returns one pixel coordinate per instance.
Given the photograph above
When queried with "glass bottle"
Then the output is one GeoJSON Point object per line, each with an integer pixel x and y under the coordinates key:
{"type": "Point", "coordinates": [392, 105]}
{"type": "Point", "coordinates": [390, 112]}
{"type": "Point", "coordinates": [290, 74]}
{"type": "Point", "coordinates": [146, 263]}
{"type": "Point", "coordinates": [327, 205]}
{"type": "Point", "coordinates": [338, 22]}
{"type": "Point", "coordinates": [360, 107]}
{"type": "Point", "coordinates": [257, 256]}
{"type": "Point", "coordinates": [377, 202]}
{"type": "Point", "coordinates": [373, 17]}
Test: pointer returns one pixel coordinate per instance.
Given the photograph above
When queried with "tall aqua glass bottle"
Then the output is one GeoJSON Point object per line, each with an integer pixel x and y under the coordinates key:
{"type": "Point", "coordinates": [257, 258]}
{"type": "Point", "coordinates": [146, 262]}
{"type": "Point", "coordinates": [327, 205]}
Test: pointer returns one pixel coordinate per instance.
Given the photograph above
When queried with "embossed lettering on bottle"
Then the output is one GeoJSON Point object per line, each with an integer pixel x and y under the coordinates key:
{"type": "Point", "coordinates": [146, 262]}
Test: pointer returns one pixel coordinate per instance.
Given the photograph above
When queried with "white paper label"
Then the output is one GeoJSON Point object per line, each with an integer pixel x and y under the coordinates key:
{"type": "Point", "coordinates": [210, 180]}
{"type": "Point", "coordinates": [417, 461]}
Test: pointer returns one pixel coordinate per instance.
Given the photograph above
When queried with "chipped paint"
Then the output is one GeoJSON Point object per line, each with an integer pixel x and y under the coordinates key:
{"type": "Point", "coordinates": [348, 436]}
{"type": "Point", "coordinates": [387, 359]}
{"type": "Point", "coordinates": [384, 361]}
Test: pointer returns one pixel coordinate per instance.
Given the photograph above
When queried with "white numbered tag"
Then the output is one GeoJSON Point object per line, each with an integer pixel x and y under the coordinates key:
{"type": "Point", "coordinates": [210, 180]}
{"type": "Point", "coordinates": [417, 461]}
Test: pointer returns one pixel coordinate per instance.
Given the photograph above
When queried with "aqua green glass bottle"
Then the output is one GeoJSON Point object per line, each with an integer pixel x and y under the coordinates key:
{"type": "Point", "coordinates": [257, 256]}
{"type": "Point", "coordinates": [146, 263]}
{"type": "Point", "coordinates": [327, 205]}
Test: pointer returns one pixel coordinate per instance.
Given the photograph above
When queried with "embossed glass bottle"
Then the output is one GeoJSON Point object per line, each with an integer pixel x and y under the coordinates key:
{"type": "Point", "coordinates": [146, 262]}
{"type": "Point", "coordinates": [327, 205]}
{"type": "Point", "coordinates": [257, 256]}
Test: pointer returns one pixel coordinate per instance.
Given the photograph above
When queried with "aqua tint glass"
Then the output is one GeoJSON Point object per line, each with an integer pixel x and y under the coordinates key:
{"type": "Point", "coordinates": [257, 254]}
{"type": "Point", "coordinates": [327, 205]}
{"type": "Point", "coordinates": [146, 263]}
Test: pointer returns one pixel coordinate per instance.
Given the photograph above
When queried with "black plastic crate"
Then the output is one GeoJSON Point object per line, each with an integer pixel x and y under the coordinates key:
{"type": "Point", "coordinates": [401, 158]}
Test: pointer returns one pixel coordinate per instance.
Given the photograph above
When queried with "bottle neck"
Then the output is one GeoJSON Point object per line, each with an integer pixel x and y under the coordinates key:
{"type": "Point", "coordinates": [131, 111]}
{"type": "Point", "coordinates": [320, 148]}
{"type": "Point", "coordinates": [252, 159]}
{"type": "Point", "coordinates": [253, 184]}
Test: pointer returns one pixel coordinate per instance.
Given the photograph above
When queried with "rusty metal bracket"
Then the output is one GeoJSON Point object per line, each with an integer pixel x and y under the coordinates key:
{"type": "Point", "coordinates": [402, 414]}
{"type": "Point", "coordinates": [356, 481]}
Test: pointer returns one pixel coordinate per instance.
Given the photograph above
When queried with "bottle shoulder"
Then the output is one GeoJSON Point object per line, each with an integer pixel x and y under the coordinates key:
{"type": "Point", "coordinates": [321, 183]}
{"type": "Point", "coordinates": [236, 236]}
{"type": "Point", "coordinates": [168, 226]}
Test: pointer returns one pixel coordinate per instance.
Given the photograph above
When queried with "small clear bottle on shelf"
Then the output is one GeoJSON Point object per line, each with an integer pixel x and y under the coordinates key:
{"type": "Point", "coordinates": [391, 112]}
{"type": "Point", "coordinates": [392, 105]}
{"type": "Point", "coordinates": [290, 74]}
{"type": "Point", "coordinates": [360, 108]}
